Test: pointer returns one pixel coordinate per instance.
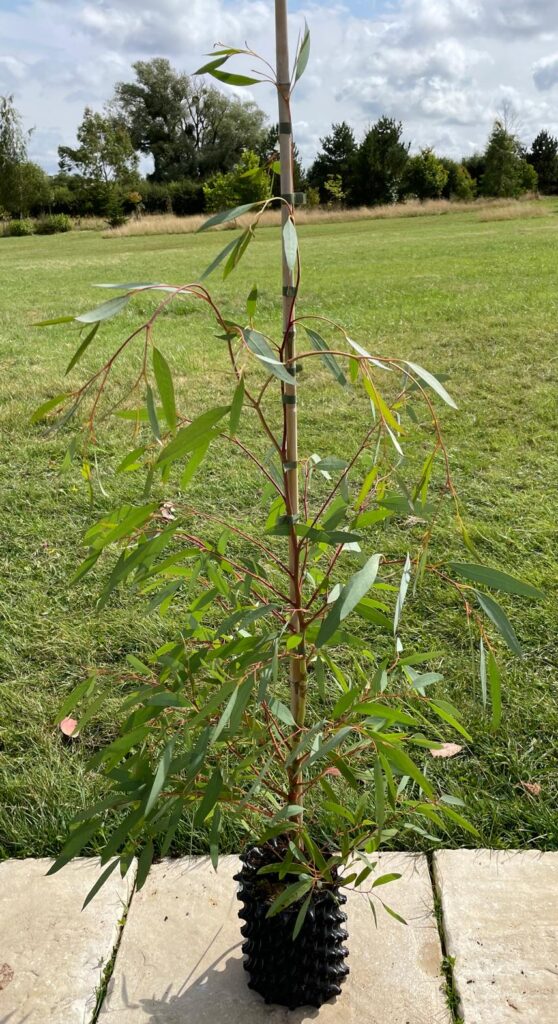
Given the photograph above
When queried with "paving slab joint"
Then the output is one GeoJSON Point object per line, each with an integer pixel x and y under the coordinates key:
{"type": "Point", "coordinates": [108, 969]}
{"type": "Point", "coordinates": [448, 962]}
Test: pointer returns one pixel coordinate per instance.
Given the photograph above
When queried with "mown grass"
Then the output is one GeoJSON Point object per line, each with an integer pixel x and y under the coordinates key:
{"type": "Point", "coordinates": [475, 300]}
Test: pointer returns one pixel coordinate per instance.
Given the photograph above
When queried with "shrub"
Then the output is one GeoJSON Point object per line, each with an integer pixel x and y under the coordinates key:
{"type": "Point", "coordinates": [246, 183]}
{"type": "Point", "coordinates": [53, 224]}
{"type": "Point", "coordinates": [186, 197]}
{"type": "Point", "coordinates": [19, 228]}
{"type": "Point", "coordinates": [312, 198]}
{"type": "Point", "coordinates": [460, 184]}
{"type": "Point", "coordinates": [425, 175]}
{"type": "Point", "coordinates": [529, 177]}
{"type": "Point", "coordinates": [115, 213]}
{"type": "Point", "coordinates": [156, 197]}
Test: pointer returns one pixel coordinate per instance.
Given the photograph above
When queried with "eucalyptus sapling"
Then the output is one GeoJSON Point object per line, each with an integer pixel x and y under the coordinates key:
{"type": "Point", "coordinates": [289, 703]}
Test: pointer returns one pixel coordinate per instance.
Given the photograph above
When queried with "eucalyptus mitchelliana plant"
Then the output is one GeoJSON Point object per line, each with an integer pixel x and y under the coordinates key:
{"type": "Point", "coordinates": [207, 728]}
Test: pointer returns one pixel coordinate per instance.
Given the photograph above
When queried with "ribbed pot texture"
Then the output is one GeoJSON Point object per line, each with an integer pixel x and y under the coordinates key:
{"type": "Point", "coordinates": [306, 971]}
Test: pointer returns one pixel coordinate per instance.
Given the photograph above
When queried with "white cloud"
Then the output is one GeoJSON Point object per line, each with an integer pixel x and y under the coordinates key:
{"type": "Point", "coordinates": [443, 67]}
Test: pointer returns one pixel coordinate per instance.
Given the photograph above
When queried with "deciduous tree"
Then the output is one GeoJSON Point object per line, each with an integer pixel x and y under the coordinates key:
{"type": "Point", "coordinates": [13, 141]}
{"type": "Point", "coordinates": [190, 129]}
{"type": "Point", "coordinates": [105, 151]}
{"type": "Point", "coordinates": [425, 175]}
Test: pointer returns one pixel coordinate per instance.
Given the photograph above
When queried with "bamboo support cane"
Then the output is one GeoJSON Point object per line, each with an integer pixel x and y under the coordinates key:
{"type": "Point", "coordinates": [297, 666]}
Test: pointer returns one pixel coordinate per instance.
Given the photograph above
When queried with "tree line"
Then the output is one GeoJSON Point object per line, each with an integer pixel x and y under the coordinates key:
{"type": "Point", "coordinates": [209, 150]}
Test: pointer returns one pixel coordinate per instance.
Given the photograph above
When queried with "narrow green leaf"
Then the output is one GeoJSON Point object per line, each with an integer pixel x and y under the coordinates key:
{"type": "Point", "coordinates": [262, 349]}
{"type": "Point", "coordinates": [120, 523]}
{"type": "Point", "coordinates": [131, 461]}
{"type": "Point", "coordinates": [74, 697]}
{"type": "Point", "coordinates": [495, 691]}
{"type": "Point", "coordinates": [193, 464]}
{"type": "Point", "coordinates": [441, 709]}
{"type": "Point", "coordinates": [220, 58]}
{"type": "Point", "coordinates": [210, 798]}
{"type": "Point", "coordinates": [301, 916]}
{"type": "Point", "coordinates": [46, 407]}
{"type": "Point", "coordinates": [105, 311]}
{"type": "Point", "coordinates": [405, 765]}
{"type": "Point", "coordinates": [99, 883]}
{"type": "Point", "coordinates": [137, 286]}
{"type": "Point", "coordinates": [160, 775]}
{"type": "Point", "coordinates": [219, 258]}
{"type": "Point", "coordinates": [82, 348]}
{"type": "Point", "coordinates": [496, 579]}
{"type": "Point", "coordinates": [403, 587]}
{"type": "Point", "coordinates": [372, 516]}
{"type": "Point", "coordinates": [374, 709]}
{"type": "Point", "coordinates": [290, 243]}
{"type": "Point", "coordinates": [330, 744]}
{"type": "Point", "coordinates": [383, 408]}
{"type": "Point", "coordinates": [78, 839]}
{"type": "Point", "coordinates": [281, 711]}
{"type": "Point", "coordinates": [303, 54]}
{"type": "Point", "coordinates": [384, 879]}
{"type": "Point", "coordinates": [392, 913]}
{"type": "Point", "coordinates": [483, 678]}
{"type": "Point", "coordinates": [152, 413]}
{"type": "Point", "coordinates": [236, 407]}
{"type": "Point", "coordinates": [196, 433]}
{"type": "Point", "coordinates": [226, 215]}
{"type": "Point", "coordinates": [214, 838]}
{"type": "Point", "coordinates": [433, 382]}
{"type": "Point", "coordinates": [328, 360]}
{"type": "Point", "coordinates": [235, 707]}
{"type": "Point", "coordinates": [350, 595]}
{"type": "Point", "coordinates": [230, 79]}
{"type": "Point", "coordinates": [237, 252]}
{"type": "Point", "coordinates": [55, 320]}
{"type": "Point", "coordinates": [165, 387]}
{"type": "Point", "coordinates": [172, 825]}
{"type": "Point", "coordinates": [379, 793]}
{"type": "Point", "coordinates": [252, 302]}
{"type": "Point", "coordinates": [145, 860]}
{"type": "Point", "coordinates": [500, 620]}
{"type": "Point", "coordinates": [291, 894]}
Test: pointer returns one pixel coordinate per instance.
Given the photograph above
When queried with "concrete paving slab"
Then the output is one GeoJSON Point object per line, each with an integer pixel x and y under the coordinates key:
{"type": "Point", "coordinates": [500, 914]}
{"type": "Point", "coordinates": [180, 960]}
{"type": "Point", "coordinates": [51, 954]}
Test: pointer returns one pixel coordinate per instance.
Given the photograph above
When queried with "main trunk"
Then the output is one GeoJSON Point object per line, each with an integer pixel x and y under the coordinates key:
{"type": "Point", "coordinates": [297, 665]}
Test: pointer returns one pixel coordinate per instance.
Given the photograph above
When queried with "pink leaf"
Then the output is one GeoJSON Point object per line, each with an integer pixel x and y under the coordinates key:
{"type": "Point", "coordinates": [68, 727]}
{"type": "Point", "coordinates": [447, 750]}
{"type": "Point", "coordinates": [531, 787]}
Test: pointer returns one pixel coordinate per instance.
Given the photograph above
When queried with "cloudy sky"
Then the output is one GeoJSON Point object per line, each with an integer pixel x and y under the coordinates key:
{"type": "Point", "coordinates": [444, 67]}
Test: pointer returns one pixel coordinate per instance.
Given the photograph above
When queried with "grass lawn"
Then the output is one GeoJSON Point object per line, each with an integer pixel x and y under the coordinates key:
{"type": "Point", "coordinates": [477, 300]}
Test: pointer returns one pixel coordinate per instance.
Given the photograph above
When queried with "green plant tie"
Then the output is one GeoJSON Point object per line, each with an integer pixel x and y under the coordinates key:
{"type": "Point", "coordinates": [294, 198]}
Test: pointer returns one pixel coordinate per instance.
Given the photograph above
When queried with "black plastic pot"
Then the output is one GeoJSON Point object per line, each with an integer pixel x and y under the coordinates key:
{"type": "Point", "coordinates": [306, 971]}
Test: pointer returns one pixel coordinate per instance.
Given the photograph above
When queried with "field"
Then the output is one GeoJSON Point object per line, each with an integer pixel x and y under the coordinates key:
{"type": "Point", "coordinates": [471, 295]}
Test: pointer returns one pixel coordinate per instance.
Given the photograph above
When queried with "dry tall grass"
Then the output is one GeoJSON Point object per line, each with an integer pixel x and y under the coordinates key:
{"type": "Point", "coordinates": [487, 209]}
